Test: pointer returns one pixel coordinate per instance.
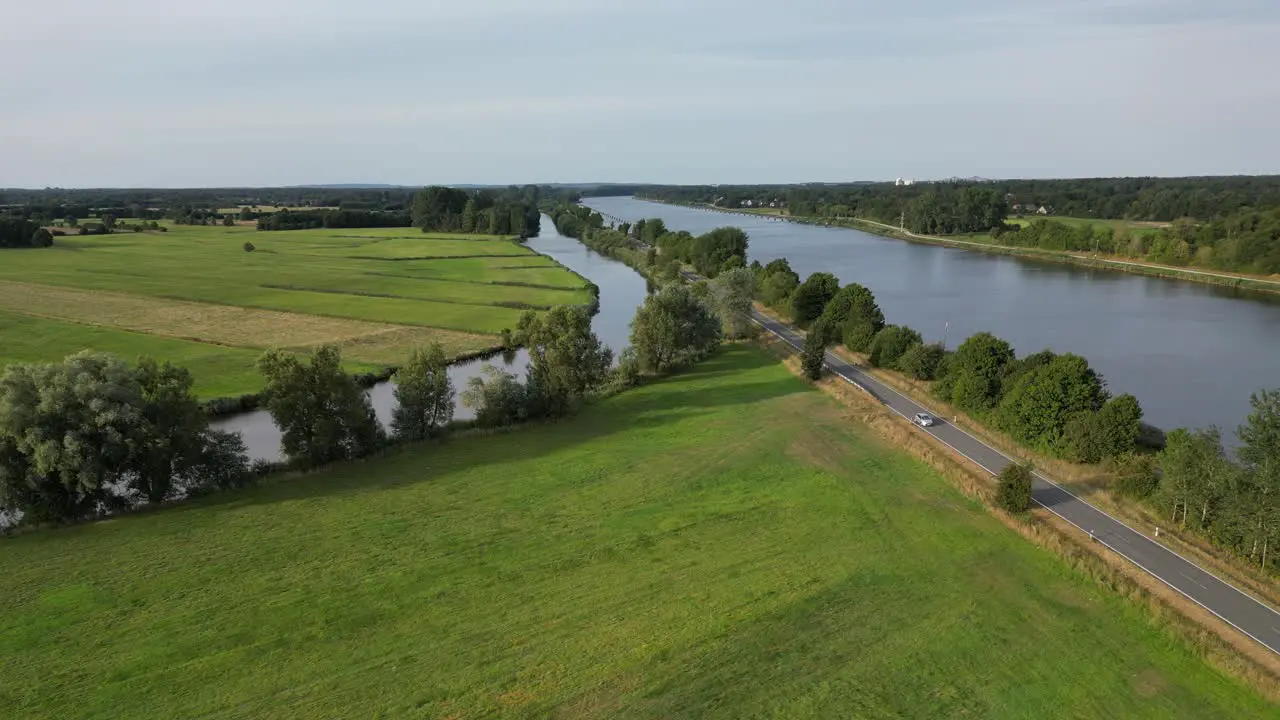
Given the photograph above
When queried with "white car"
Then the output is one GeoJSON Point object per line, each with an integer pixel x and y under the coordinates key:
{"type": "Point", "coordinates": [924, 420]}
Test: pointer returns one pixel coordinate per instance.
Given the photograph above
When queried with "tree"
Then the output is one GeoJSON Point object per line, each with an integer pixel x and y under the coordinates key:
{"type": "Point", "coordinates": [1260, 435]}
{"type": "Point", "coordinates": [499, 398]}
{"type": "Point", "coordinates": [778, 286]}
{"type": "Point", "coordinates": [973, 374]}
{"type": "Point", "coordinates": [890, 344]}
{"type": "Point", "coordinates": [228, 221]}
{"type": "Point", "coordinates": [853, 314]}
{"type": "Point", "coordinates": [811, 298]}
{"type": "Point", "coordinates": [424, 394]}
{"type": "Point", "coordinates": [813, 355]}
{"type": "Point", "coordinates": [1013, 494]}
{"type": "Point", "coordinates": [566, 359]}
{"type": "Point", "coordinates": [249, 247]}
{"type": "Point", "coordinates": [324, 415]}
{"type": "Point", "coordinates": [42, 238]}
{"type": "Point", "coordinates": [672, 327]}
{"type": "Point", "coordinates": [469, 216]}
{"type": "Point", "coordinates": [169, 443]}
{"type": "Point", "coordinates": [67, 432]}
{"type": "Point", "coordinates": [109, 222]}
{"type": "Point", "coordinates": [712, 250]}
{"type": "Point", "coordinates": [1193, 471]}
{"type": "Point", "coordinates": [1037, 408]}
{"type": "Point", "coordinates": [733, 293]}
{"type": "Point", "coordinates": [922, 361]}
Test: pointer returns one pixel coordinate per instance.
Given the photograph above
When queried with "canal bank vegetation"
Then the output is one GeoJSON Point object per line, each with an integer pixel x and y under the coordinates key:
{"type": "Point", "coordinates": [1229, 225]}
{"type": "Point", "coordinates": [717, 530]}
{"type": "Point", "coordinates": [79, 439]}
{"type": "Point", "coordinates": [1056, 406]}
{"type": "Point", "coordinates": [650, 248]}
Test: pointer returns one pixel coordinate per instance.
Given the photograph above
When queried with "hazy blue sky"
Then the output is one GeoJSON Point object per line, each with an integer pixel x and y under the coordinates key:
{"type": "Point", "coordinates": [269, 92]}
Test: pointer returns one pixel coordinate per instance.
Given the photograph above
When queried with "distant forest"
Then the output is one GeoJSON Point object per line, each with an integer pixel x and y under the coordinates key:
{"type": "Point", "coordinates": [1227, 223]}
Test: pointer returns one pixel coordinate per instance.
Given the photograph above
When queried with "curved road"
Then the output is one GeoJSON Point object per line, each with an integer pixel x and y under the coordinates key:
{"type": "Point", "coordinates": [1241, 611]}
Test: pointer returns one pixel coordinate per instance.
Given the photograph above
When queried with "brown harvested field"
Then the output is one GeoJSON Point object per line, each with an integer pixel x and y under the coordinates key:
{"type": "Point", "coordinates": [366, 341]}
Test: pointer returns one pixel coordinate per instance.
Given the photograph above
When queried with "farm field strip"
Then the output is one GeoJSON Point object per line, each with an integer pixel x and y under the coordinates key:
{"type": "Point", "coordinates": [227, 325]}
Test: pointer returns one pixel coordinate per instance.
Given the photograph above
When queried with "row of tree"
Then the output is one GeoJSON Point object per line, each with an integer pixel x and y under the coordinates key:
{"type": "Point", "coordinates": [1244, 241]}
{"type": "Point", "coordinates": [19, 233]}
{"type": "Point", "coordinates": [443, 209]}
{"type": "Point", "coordinates": [1053, 403]}
{"type": "Point", "coordinates": [1234, 503]}
{"type": "Point", "coordinates": [1162, 199]}
{"type": "Point", "coordinates": [709, 254]}
{"type": "Point", "coordinates": [310, 219]}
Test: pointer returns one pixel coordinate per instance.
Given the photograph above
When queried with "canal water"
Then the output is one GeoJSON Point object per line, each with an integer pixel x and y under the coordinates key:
{"type": "Point", "coordinates": [1190, 353]}
{"type": "Point", "coordinates": [622, 290]}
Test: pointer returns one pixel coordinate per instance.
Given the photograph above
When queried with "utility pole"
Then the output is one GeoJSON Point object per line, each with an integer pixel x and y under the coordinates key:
{"type": "Point", "coordinates": [902, 220]}
{"type": "Point", "coordinates": [946, 332]}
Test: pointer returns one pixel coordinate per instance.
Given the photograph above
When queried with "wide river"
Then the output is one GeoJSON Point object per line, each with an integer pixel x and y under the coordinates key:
{"type": "Point", "coordinates": [1190, 353]}
{"type": "Point", "coordinates": [622, 290]}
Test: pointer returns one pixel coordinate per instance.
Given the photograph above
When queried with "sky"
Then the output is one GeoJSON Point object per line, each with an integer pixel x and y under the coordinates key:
{"type": "Point", "coordinates": [157, 93]}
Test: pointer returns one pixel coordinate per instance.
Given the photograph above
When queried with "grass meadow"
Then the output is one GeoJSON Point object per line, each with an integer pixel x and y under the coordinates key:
{"type": "Point", "coordinates": [377, 292]}
{"type": "Point", "coordinates": [722, 543]}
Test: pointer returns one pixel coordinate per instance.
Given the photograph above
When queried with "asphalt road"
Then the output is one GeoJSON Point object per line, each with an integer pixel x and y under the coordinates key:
{"type": "Point", "coordinates": [1242, 611]}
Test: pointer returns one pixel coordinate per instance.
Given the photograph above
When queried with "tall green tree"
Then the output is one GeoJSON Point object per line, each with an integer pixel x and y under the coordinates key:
{"type": "Point", "coordinates": [972, 382]}
{"type": "Point", "coordinates": [813, 355]}
{"type": "Point", "coordinates": [890, 344]}
{"type": "Point", "coordinates": [67, 432]}
{"type": "Point", "coordinates": [1037, 408]}
{"type": "Point", "coordinates": [811, 298]}
{"type": "Point", "coordinates": [324, 415]}
{"type": "Point", "coordinates": [169, 443]}
{"type": "Point", "coordinates": [566, 359]}
{"type": "Point", "coordinates": [673, 326]}
{"type": "Point", "coordinates": [733, 294]}
{"type": "Point", "coordinates": [424, 394]}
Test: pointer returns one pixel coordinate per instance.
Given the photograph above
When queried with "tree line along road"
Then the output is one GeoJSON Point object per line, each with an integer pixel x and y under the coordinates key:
{"type": "Point", "coordinates": [1235, 607]}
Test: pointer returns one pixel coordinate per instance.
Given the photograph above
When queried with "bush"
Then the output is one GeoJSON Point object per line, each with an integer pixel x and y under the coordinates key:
{"type": "Point", "coordinates": [811, 298]}
{"type": "Point", "coordinates": [890, 344]}
{"type": "Point", "coordinates": [814, 353]}
{"type": "Point", "coordinates": [499, 398]}
{"type": "Point", "coordinates": [1136, 477]}
{"type": "Point", "coordinates": [922, 361]}
{"type": "Point", "coordinates": [248, 246]}
{"type": "Point", "coordinates": [1014, 491]}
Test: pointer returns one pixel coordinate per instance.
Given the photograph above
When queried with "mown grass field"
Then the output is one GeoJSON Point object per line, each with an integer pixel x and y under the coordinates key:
{"type": "Point", "coordinates": [1134, 225]}
{"type": "Point", "coordinates": [719, 544]}
{"type": "Point", "coordinates": [218, 371]}
{"type": "Point", "coordinates": [378, 292]}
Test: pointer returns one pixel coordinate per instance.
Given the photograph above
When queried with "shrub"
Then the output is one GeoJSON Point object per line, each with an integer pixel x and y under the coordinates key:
{"type": "Point", "coordinates": [248, 246]}
{"type": "Point", "coordinates": [1014, 491]}
{"type": "Point", "coordinates": [922, 361]}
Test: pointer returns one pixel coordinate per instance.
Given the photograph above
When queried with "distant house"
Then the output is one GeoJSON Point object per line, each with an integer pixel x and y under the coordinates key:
{"type": "Point", "coordinates": [1042, 210]}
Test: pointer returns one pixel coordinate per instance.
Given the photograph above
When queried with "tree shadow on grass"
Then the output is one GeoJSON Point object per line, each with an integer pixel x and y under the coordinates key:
{"type": "Point", "coordinates": [639, 409]}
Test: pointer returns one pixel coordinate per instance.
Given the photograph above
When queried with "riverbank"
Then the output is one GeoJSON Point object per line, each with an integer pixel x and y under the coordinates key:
{"type": "Point", "coordinates": [1235, 281]}
{"type": "Point", "coordinates": [225, 407]}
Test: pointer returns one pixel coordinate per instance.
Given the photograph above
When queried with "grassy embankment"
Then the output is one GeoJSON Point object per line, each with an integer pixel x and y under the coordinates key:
{"type": "Point", "coordinates": [722, 543]}
{"type": "Point", "coordinates": [194, 296]}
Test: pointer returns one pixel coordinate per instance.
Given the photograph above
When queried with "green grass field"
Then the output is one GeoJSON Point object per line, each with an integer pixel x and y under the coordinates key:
{"type": "Point", "coordinates": [352, 286]}
{"type": "Point", "coordinates": [719, 544]}
{"type": "Point", "coordinates": [1135, 226]}
{"type": "Point", "coordinates": [218, 371]}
